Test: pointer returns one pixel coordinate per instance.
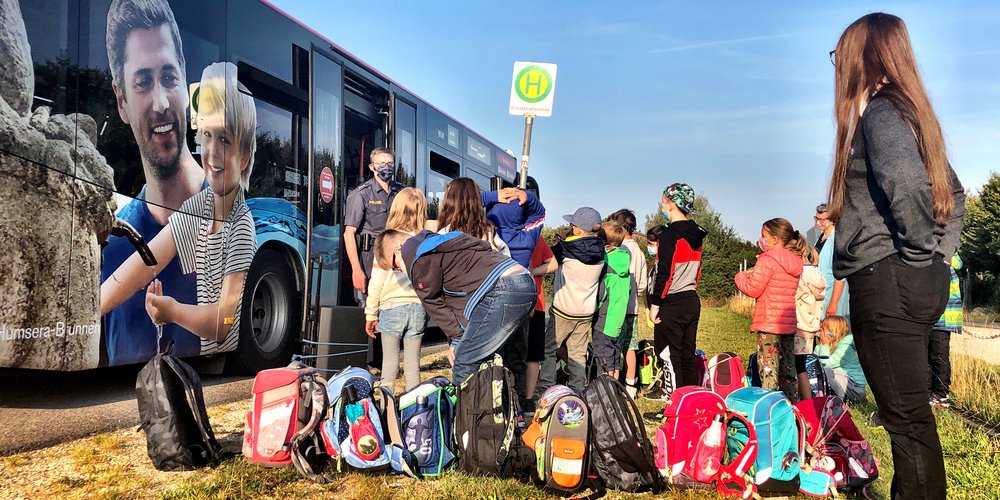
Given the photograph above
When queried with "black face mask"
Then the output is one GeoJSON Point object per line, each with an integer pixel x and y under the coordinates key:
{"type": "Point", "coordinates": [385, 172]}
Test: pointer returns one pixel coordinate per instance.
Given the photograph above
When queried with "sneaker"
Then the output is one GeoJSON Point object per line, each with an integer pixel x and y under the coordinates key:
{"type": "Point", "coordinates": [657, 393]}
{"type": "Point", "coordinates": [632, 391]}
{"type": "Point", "coordinates": [521, 423]}
{"type": "Point", "coordinates": [874, 420]}
{"type": "Point", "coordinates": [940, 402]}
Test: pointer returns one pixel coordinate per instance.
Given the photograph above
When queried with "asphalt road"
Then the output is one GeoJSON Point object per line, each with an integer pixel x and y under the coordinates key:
{"type": "Point", "coordinates": [43, 408]}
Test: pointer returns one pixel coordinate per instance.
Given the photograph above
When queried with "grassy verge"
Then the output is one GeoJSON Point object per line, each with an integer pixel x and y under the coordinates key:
{"type": "Point", "coordinates": [115, 465]}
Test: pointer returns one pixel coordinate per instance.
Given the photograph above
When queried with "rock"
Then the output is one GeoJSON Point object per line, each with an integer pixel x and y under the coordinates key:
{"type": "Point", "coordinates": [17, 72]}
{"type": "Point", "coordinates": [85, 124]}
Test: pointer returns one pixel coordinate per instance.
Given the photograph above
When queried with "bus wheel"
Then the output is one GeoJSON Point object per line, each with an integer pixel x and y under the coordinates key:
{"type": "Point", "coordinates": [269, 315]}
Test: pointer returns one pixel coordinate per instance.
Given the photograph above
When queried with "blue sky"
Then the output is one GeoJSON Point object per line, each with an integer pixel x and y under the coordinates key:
{"type": "Point", "coordinates": [731, 98]}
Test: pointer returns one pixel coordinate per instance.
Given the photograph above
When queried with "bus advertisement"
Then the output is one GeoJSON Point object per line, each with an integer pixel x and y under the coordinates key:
{"type": "Point", "coordinates": [174, 175]}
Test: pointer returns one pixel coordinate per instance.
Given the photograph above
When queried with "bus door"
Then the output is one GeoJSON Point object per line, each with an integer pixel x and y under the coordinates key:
{"type": "Point", "coordinates": [335, 331]}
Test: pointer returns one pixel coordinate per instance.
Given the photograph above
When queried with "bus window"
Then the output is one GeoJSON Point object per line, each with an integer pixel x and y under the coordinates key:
{"type": "Point", "coordinates": [442, 171]}
{"type": "Point", "coordinates": [406, 146]}
{"type": "Point", "coordinates": [481, 179]}
{"type": "Point", "coordinates": [275, 174]}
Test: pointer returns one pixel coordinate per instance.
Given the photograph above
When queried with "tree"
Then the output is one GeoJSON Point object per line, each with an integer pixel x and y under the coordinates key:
{"type": "Point", "coordinates": [723, 251]}
{"type": "Point", "coordinates": [980, 248]}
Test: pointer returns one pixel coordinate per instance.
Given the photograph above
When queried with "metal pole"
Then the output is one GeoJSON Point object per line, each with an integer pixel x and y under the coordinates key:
{"type": "Point", "coordinates": [528, 121]}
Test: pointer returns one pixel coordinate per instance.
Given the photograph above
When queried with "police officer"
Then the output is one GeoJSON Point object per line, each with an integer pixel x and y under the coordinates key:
{"type": "Point", "coordinates": [367, 212]}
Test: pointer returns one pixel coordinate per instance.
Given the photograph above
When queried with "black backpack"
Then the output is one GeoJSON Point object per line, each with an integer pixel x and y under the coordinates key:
{"type": "Point", "coordinates": [172, 412]}
{"type": "Point", "coordinates": [621, 454]}
{"type": "Point", "coordinates": [487, 437]}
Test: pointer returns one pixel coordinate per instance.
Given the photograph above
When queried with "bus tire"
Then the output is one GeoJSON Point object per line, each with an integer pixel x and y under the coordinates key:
{"type": "Point", "coordinates": [269, 315]}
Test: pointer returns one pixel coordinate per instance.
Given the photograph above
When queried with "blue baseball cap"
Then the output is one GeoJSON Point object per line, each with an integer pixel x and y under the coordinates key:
{"type": "Point", "coordinates": [585, 218]}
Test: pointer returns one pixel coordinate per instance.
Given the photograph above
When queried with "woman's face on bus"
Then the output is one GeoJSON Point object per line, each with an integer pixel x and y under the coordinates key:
{"type": "Point", "coordinates": [220, 156]}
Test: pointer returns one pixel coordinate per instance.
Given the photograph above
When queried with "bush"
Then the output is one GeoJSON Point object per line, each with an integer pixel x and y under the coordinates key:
{"type": "Point", "coordinates": [741, 305]}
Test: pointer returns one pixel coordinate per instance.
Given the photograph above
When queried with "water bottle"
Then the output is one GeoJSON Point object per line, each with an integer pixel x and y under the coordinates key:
{"type": "Point", "coordinates": [418, 433]}
{"type": "Point", "coordinates": [707, 459]}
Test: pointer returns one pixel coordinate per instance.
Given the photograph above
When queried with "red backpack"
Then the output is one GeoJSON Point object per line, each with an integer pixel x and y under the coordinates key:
{"type": "Point", "coordinates": [690, 444]}
{"type": "Point", "coordinates": [726, 374]}
{"type": "Point", "coordinates": [834, 443]}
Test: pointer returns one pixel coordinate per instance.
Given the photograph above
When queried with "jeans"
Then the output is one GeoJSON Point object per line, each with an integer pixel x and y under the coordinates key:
{"type": "Point", "coordinates": [576, 334]}
{"type": "Point", "coordinates": [493, 320]}
{"type": "Point", "coordinates": [893, 307]}
{"type": "Point", "coordinates": [404, 322]}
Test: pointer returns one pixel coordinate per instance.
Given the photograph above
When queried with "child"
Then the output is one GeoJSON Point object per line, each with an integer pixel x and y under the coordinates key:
{"type": "Point", "coordinates": [637, 268]}
{"type": "Point", "coordinates": [836, 353]}
{"type": "Point", "coordinates": [674, 306]}
{"type": "Point", "coordinates": [939, 342]}
{"type": "Point", "coordinates": [808, 313]}
{"type": "Point", "coordinates": [773, 282]}
{"type": "Point", "coordinates": [477, 296]}
{"type": "Point", "coordinates": [392, 307]}
{"type": "Point", "coordinates": [617, 297]}
{"type": "Point", "coordinates": [542, 262]}
{"type": "Point", "coordinates": [574, 298]}
{"type": "Point", "coordinates": [213, 232]}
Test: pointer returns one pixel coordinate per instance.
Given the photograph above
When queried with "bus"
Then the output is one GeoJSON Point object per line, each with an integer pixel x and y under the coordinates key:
{"type": "Point", "coordinates": [108, 141]}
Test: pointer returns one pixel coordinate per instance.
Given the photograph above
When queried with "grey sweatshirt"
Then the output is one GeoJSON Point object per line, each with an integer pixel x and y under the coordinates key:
{"type": "Point", "coordinates": [888, 206]}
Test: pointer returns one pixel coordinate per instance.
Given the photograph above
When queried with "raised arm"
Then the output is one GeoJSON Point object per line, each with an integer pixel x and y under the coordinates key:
{"type": "Point", "coordinates": [208, 321]}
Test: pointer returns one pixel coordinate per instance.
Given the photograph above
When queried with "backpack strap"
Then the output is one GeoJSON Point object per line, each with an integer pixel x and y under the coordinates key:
{"type": "Point", "coordinates": [399, 456]}
{"type": "Point", "coordinates": [197, 410]}
{"type": "Point", "coordinates": [640, 429]}
{"type": "Point", "coordinates": [733, 479]}
{"type": "Point", "coordinates": [304, 444]}
{"type": "Point", "coordinates": [508, 437]}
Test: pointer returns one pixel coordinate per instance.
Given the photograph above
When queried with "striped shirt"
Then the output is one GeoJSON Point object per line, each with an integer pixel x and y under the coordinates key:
{"type": "Point", "coordinates": [212, 256]}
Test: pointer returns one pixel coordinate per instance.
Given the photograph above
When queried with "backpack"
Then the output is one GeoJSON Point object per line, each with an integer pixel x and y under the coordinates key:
{"type": "Point", "coordinates": [649, 363]}
{"type": "Point", "coordinates": [486, 433]}
{"type": "Point", "coordinates": [753, 371]}
{"type": "Point", "coordinates": [835, 444]}
{"type": "Point", "coordinates": [426, 416]}
{"type": "Point", "coordinates": [620, 452]}
{"type": "Point", "coordinates": [726, 373]}
{"type": "Point", "coordinates": [690, 444]}
{"type": "Point", "coordinates": [559, 434]}
{"type": "Point", "coordinates": [172, 412]}
{"type": "Point", "coordinates": [702, 360]}
{"type": "Point", "coordinates": [779, 432]}
{"type": "Point", "coordinates": [818, 385]}
{"type": "Point", "coordinates": [282, 426]}
{"type": "Point", "coordinates": [356, 428]}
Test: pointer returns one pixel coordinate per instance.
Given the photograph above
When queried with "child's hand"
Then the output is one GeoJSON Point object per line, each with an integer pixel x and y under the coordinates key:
{"type": "Point", "coordinates": [451, 355]}
{"type": "Point", "coordinates": [371, 328]}
{"type": "Point", "coordinates": [158, 306]}
{"type": "Point", "coordinates": [506, 195]}
{"type": "Point", "coordinates": [654, 314]}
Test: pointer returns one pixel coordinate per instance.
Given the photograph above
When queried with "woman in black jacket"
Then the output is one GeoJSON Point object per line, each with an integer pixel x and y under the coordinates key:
{"type": "Point", "coordinates": [899, 209]}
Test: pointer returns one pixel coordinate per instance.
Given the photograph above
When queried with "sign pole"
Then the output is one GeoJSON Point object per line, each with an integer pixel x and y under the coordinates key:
{"type": "Point", "coordinates": [525, 152]}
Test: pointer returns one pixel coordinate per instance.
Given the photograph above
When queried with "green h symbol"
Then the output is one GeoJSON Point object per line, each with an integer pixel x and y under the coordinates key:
{"type": "Point", "coordinates": [537, 83]}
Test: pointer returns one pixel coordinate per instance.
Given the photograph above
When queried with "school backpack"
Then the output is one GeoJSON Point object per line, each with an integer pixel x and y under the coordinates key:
{"type": "Point", "coordinates": [780, 443]}
{"type": "Point", "coordinates": [487, 437]}
{"type": "Point", "coordinates": [426, 416]}
{"type": "Point", "coordinates": [818, 384]}
{"type": "Point", "coordinates": [702, 361]}
{"type": "Point", "coordinates": [620, 452]}
{"type": "Point", "coordinates": [753, 371]}
{"type": "Point", "coordinates": [172, 412]}
{"type": "Point", "coordinates": [559, 434]}
{"type": "Point", "coordinates": [726, 373]}
{"type": "Point", "coordinates": [649, 363]}
{"type": "Point", "coordinates": [691, 442]}
{"type": "Point", "coordinates": [282, 426]}
{"type": "Point", "coordinates": [835, 444]}
{"type": "Point", "coordinates": [357, 433]}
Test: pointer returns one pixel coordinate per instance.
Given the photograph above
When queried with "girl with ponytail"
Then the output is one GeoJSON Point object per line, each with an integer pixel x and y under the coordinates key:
{"type": "Point", "coordinates": [773, 282]}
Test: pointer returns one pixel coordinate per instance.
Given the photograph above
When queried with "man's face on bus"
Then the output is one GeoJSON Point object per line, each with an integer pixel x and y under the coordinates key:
{"type": "Point", "coordinates": [153, 98]}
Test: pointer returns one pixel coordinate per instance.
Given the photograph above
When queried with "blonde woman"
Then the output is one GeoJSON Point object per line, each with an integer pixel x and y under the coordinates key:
{"type": "Point", "coordinates": [392, 307]}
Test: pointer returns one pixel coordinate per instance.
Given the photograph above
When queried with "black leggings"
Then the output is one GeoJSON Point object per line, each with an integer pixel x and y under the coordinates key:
{"type": "Point", "coordinates": [677, 333]}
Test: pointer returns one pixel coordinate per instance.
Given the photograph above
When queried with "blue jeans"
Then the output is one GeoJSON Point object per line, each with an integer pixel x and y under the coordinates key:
{"type": "Point", "coordinates": [406, 322]}
{"type": "Point", "coordinates": [501, 311]}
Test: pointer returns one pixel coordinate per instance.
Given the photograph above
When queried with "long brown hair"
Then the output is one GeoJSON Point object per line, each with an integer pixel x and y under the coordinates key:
{"type": "Point", "coordinates": [408, 211]}
{"type": "Point", "coordinates": [874, 55]}
{"type": "Point", "coordinates": [789, 237]}
{"type": "Point", "coordinates": [462, 209]}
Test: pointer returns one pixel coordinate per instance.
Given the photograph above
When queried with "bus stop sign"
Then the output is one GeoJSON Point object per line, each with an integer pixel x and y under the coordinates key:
{"type": "Point", "coordinates": [532, 89]}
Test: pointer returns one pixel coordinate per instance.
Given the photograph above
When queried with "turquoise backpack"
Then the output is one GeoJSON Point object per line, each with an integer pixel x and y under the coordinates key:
{"type": "Point", "coordinates": [780, 441]}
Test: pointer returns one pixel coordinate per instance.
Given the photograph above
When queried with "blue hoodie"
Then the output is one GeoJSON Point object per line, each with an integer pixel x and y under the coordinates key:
{"type": "Point", "coordinates": [519, 226]}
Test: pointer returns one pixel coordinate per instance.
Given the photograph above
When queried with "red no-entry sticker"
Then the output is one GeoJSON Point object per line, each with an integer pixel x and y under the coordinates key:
{"type": "Point", "coordinates": [326, 184]}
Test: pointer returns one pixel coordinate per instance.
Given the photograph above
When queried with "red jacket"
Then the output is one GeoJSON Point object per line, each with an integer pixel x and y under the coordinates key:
{"type": "Point", "coordinates": [773, 282]}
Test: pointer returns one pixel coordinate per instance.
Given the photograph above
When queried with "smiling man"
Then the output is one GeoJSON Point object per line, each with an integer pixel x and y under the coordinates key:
{"type": "Point", "coordinates": [150, 85]}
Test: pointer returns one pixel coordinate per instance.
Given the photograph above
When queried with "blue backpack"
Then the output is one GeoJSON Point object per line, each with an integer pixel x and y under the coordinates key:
{"type": "Point", "coordinates": [356, 429]}
{"type": "Point", "coordinates": [426, 416]}
{"type": "Point", "coordinates": [780, 442]}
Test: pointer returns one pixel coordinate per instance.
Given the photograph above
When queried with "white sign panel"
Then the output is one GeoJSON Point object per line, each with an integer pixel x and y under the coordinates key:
{"type": "Point", "coordinates": [532, 89]}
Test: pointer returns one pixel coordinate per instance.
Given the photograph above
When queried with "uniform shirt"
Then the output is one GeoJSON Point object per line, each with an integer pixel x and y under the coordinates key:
{"type": "Point", "coordinates": [128, 332]}
{"type": "Point", "coordinates": [212, 256]}
{"type": "Point", "coordinates": [368, 206]}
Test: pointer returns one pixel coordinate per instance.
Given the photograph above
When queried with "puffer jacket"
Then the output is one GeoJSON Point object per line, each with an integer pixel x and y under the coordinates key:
{"type": "Point", "coordinates": [773, 282]}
